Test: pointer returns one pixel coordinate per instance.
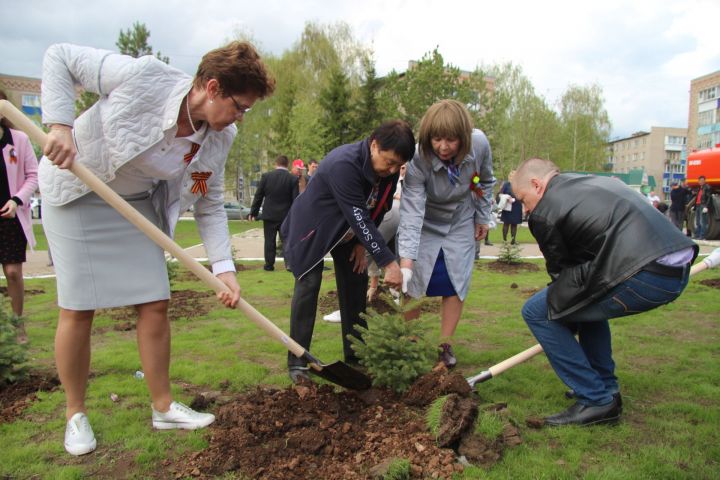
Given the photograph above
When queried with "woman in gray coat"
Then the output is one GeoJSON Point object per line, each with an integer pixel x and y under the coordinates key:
{"type": "Point", "coordinates": [445, 208]}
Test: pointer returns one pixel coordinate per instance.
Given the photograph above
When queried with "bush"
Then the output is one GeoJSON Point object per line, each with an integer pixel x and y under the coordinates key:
{"type": "Point", "coordinates": [13, 356]}
{"type": "Point", "coordinates": [394, 351]}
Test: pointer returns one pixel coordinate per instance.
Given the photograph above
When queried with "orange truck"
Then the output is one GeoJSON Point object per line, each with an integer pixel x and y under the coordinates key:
{"type": "Point", "coordinates": [706, 163]}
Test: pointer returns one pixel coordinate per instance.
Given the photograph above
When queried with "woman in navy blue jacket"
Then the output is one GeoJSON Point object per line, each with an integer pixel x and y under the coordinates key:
{"type": "Point", "coordinates": [338, 214]}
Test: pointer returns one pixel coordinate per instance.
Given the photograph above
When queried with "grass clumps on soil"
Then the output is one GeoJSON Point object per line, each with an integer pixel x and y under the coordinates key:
{"type": "Point", "coordinates": [399, 469]}
{"type": "Point", "coordinates": [394, 351]}
{"type": "Point", "coordinates": [433, 417]}
{"type": "Point", "coordinates": [489, 424]}
{"type": "Point", "coordinates": [13, 356]}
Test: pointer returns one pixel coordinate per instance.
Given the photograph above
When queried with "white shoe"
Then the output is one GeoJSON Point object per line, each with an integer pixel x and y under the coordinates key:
{"type": "Point", "coordinates": [79, 436]}
{"type": "Point", "coordinates": [333, 317]}
{"type": "Point", "coordinates": [181, 416]}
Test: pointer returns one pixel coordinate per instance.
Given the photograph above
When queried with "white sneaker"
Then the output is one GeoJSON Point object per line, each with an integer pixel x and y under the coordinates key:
{"type": "Point", "coordinates": [181, 416]}
{"type": "Point", "coordinates": [79, 436]}
{"type": "Point", "coordinates": [333, 317]}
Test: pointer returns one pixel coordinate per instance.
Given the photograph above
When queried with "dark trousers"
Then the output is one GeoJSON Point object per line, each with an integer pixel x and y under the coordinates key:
{"type": "Point", "coordinates": [270, 230]}
{"type": "Point", "coordinates": [351, 290]}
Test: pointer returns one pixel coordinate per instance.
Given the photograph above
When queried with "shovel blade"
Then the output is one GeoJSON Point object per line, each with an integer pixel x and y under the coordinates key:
{"type": "Point", "coordinates": [342, 374]}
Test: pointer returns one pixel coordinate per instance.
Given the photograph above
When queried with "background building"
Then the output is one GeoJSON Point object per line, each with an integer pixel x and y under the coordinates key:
{"type": "Point", "coordinates": [659, 153]}
{"type": "Point", "coordinates": [703, 117]}
{"type": "Point", "coordinates": [23, 92]}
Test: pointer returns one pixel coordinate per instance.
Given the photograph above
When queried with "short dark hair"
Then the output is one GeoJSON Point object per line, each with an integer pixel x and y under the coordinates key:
{"type": "Point", "coordinates": [702, 176]}
{"type": "Point", "coordinates": [313, 162]}
{"type": "Point", "coordinates": [238, 69]}
{"type": "Point", "coordinates": [395, 135]}
{"type": "Point", "coordinates": [282, 161]}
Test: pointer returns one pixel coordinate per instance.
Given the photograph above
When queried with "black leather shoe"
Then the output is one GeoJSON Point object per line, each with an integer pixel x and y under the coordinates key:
{"type": "Point", "coordinates": [299, 375]}
{"type": "Point", "coordinates": [489, 244]}
{"type": "Point", "coordinates": [268, 268]}
{"type": "Point", "coordinates": [586, 415]}
{"type": "Point", "coordinates": [570, 395]}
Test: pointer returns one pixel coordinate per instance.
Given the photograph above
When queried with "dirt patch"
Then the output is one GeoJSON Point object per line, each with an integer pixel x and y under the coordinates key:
{"type": "Point", "coordinates": [329, 302]}
{"type": "Point", "coordinates": [458, 417]}
{"type": "Point", "coordinates": [183, 304]}
{"type": "Point", "coordinates": [312, 431]}
{"type": "Point", "coordinates": [711, 282]}
{"type": "Point", "coordinates": [28, 291]}
{"type": "Point", "coordinates": [16, 397]}
{"type": "Point", "coordinates": [502, 267]}
{"type": "Point", "coordinates": [435, 384]}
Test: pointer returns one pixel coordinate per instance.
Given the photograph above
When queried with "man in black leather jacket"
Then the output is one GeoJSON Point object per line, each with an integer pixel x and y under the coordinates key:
{"type": "Point", "coordinates": [609, 254]}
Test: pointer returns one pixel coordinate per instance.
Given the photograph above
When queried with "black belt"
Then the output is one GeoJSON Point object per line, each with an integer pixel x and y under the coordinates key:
{"type": "Point", "coordinates": [660, 269]}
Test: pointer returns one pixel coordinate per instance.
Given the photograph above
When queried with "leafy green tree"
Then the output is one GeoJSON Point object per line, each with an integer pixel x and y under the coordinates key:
{"type": "Point", "coordinates": [409, 95]}
{"type": "Point", "coordinates": [586, 127]}
{"type": "Point", "coordinates": [133, 42]}
{"type": "Point", "coordinates": [520, 123]}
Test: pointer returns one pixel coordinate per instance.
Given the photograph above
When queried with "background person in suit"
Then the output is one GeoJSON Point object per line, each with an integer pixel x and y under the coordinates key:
{"type": "Point", "coordinates": [276, 192]}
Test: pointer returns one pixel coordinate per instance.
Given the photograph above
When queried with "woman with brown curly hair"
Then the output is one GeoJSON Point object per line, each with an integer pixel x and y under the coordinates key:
{"type": "Point", "coordinates": [160, 139]}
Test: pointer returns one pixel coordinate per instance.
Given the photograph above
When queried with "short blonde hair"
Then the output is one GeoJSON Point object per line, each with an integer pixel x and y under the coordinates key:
{"type": "Point", "coordinates": [446, 119]}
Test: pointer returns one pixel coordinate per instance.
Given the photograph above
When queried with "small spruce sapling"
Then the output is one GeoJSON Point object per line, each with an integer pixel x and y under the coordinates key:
{"type": "Point", "coordinates": [395, 351]}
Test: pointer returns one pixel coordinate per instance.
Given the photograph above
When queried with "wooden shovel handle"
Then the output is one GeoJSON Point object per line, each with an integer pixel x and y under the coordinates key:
{"type": "Point", "coordinates": [23, 123]}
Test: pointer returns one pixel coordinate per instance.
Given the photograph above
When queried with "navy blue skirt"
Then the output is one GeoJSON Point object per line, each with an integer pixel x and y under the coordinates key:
{"type": "Point", "coordinates": [440, 284]}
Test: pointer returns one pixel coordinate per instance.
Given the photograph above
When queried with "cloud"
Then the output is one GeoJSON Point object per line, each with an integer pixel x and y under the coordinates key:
{"type": "Point", "coordinates": [642, 53]}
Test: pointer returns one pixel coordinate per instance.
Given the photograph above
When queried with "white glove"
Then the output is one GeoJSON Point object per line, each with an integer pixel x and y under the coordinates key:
{"type": "Point", "coordinates": [705, 210]}
{"type": "Point", "coordinates": [407, 274]}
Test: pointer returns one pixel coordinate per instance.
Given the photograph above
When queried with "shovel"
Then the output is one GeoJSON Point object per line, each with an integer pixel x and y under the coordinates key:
{"type": "Point", "coordinates": [711, 261]}
{"type": "Point", "coordinates": [337, 372]}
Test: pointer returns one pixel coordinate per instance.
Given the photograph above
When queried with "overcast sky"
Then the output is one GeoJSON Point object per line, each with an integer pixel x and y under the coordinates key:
{"type": "Point", "coordinates": [642, 53]}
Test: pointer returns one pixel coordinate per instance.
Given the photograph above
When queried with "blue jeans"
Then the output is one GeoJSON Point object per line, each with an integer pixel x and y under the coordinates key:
{"type": "Point", "coordinates": [585, 364]}
{"type": "Point", "coordinates": [701, 223]}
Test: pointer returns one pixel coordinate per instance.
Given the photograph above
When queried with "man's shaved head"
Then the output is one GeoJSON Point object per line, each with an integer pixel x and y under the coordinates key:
{"type": "Point", "coordinates": [533, 168]}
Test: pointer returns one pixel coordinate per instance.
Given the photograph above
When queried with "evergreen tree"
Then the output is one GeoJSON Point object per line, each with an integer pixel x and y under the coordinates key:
{"type": "Point", "coordinates": [368, 114]}
{"type": "Point", "coordinates": [335, 102]}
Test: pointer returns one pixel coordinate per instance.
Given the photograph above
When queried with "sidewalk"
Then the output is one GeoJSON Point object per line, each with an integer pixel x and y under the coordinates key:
{"type": "Point", "coordinates": [249, 246]}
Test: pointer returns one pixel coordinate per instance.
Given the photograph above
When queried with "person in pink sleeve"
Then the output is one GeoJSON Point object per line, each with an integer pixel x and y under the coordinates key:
{"type": "Point", "coordinates": [18, 181]}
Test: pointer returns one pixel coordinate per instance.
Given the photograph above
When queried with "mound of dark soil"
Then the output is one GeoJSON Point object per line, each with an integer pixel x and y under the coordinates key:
{"type": "Point", "coordinates": [711, 282]}
{"type": "Point", "coordinates": [313, 431]}
{"type": "Point", "coordinates": [329, 303]}
{"type": "Point", "coordinates": [503, 267]}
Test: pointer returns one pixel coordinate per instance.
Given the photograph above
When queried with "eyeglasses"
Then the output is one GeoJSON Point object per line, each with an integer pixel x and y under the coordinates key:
{"type": "Point", "coordinates": [240, 109]}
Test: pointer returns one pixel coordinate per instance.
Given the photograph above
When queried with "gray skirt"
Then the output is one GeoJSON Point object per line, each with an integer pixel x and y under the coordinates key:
{"type": "Point", "coordinates": [102, 260]}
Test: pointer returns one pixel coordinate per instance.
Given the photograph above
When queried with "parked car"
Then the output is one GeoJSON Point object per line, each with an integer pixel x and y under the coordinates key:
{"type": "Point", "coordinates": [236, 211]}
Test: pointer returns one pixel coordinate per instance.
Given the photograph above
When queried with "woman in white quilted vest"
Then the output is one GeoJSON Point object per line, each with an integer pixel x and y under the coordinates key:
{"type": "Point", "coordinates": [160, 139]}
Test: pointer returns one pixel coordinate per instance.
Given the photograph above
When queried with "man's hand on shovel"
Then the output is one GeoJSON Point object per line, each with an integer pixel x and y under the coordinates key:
{"type": "Point", "coordinates": [229, 299]}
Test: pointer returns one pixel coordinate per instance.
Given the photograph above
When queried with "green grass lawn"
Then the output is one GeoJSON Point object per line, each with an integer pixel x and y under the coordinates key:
{"type": "Point", "coordinates": [186, 232]}
{"type": "Point", "coordinates": [667, 362]}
